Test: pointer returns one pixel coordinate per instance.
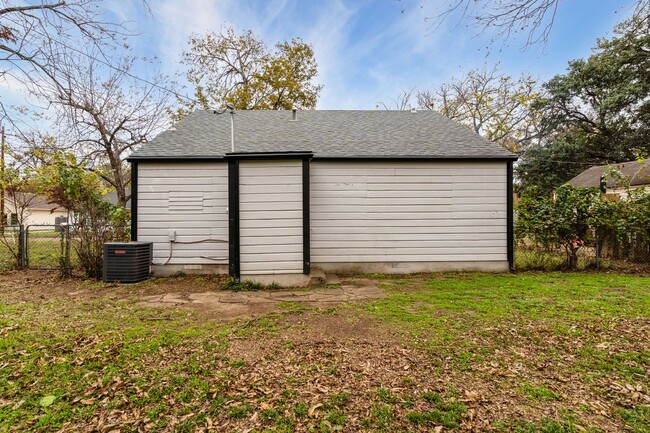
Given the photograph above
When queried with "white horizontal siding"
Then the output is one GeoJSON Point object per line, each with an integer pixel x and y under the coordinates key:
{"type": "Point", "coordinates": [408, 212]}
{"type": "Point", "coordinates": [270, 211]}
{"type": "Point", "coordinates": [190, 198]}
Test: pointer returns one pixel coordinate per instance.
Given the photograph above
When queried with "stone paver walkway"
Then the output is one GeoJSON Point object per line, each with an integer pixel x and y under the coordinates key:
{"type": "Point", "coordinates": [245, 303]}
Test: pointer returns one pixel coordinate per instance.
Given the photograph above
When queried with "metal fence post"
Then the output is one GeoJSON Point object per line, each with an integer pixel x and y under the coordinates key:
{"type": "Point", "coordinates": [66, 232]}
{"type": "Point", "coordinates": [22, 247]}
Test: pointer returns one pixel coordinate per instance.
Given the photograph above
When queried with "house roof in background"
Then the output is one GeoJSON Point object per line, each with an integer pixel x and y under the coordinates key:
{"type": "Point", "coordinates": [637, 172]}
{"type": "Point", "coordinates": [36, 202]}
{"type": "Point", "coordinates": [326, 133]}
{"type": "Point", "coordinates": [111, 197]}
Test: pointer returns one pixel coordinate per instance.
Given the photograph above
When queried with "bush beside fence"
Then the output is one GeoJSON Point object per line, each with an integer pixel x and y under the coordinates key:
{"type": "Point", "coordinates": [54, 247]}
{"type": "Point", "coordinates": [581, 228]}
{"type": "Point", "coordinates": [11, 247]}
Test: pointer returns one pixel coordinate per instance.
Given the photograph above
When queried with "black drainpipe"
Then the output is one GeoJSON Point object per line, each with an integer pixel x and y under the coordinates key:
{"type": "Point", "coordinates": [134, 200]}
{"type": "Point", "coordinates": [233, 220]}
{"type": "Point", "coordinates": [510, 220]}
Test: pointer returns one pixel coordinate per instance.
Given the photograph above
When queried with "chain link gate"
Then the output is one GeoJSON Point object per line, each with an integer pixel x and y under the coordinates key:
{"type": "Point", "coordinates": [46, 246]}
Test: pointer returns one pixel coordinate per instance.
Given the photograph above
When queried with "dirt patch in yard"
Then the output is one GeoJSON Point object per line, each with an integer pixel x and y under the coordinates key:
{"type": "Point", "coordinates": [204, 294]}
{"type": "Point", "coordinates": [38, 286]}
{"type": "Point", "coordinates": [384, 373]}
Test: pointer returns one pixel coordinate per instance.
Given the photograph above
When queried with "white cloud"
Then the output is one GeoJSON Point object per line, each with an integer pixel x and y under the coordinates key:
{"type": "Point", "coordinates": [15, 92]}
{"type": "Point", "coordinates": [330, 37]}
{"type": "Point", "coordinates": [174, 21]}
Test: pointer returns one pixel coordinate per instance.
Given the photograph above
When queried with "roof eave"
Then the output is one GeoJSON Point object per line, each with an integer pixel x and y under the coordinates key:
{"type": "Point", "coordinates": [439, 158]}
{"type": "Point", "coordinates": [358, 158]}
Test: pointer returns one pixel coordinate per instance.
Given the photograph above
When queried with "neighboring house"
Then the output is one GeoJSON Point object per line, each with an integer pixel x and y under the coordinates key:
{"type": "Point", "coordinates": [342, 191]}
{"type": "Point", "coordinates": [111, 197]}
{"type": "Point", "coordinates": [636, 174]}
{"type": "Point", "coordinates": [31, 209]}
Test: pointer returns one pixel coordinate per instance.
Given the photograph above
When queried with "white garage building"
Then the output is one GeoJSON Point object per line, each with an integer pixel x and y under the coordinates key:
{"type": "Point", "coordinates": [342, 191]}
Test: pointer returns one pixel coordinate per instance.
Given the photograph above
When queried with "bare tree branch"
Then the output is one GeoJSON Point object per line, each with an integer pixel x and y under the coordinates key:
{"type": "Point", "coordinates": [491, 104]}
{"type": "Point", "coordinates": [102, 113]}
{"type": "Point", "coordinates": [29, 32]}
{"type": "Point", "coordinates": [504, 19]}
{"type": "Point", "coordinates": [401, 103]}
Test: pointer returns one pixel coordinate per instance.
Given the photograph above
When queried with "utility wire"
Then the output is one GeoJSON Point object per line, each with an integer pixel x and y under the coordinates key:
{"type": "Point", "coordinates": [124, 71]}
{"type": "Point", "coordinates": [572, 162]}
{"type": "Point", "coordinates": [187, 98]}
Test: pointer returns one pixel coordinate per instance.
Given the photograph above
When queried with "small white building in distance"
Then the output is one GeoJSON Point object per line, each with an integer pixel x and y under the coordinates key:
{"type": "Point", "coordinates": [31, 209]}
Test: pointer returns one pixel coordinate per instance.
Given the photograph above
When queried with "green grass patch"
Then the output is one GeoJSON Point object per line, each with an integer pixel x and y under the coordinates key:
{"type": "Point", "coordinates": [539, 392]}
{"type": "Point", "coordinates": [637, 419]}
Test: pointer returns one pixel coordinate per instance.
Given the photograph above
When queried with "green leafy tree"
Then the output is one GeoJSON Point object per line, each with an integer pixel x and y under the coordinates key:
{"type": "Point", "coordinates": [241, 70]}
{"type": "Point", "coordinates": [96, 221]}
{"type": "Point", "coordinates": [574, 217]}
{"type": "Point", "coordinates": [545, 166]}
{"type": "Point", "coordinates": [600, 108]}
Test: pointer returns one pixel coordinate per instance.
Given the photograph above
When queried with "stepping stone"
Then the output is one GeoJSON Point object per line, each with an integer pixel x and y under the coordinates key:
{"type": "Point", "coordinates": [260, 298]}
{"type": "Point", "coordinates": [174, 298]}
{"type": "Point", "coordinates": [234, 298]}
{"type": "Point", "coordinates": [203, 298]}
{"type": "Point", "coordinates": [332, 279]}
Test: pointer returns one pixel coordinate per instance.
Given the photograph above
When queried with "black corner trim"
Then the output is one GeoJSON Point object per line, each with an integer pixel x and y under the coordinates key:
{"type": "Point", "coordinates": [510, 219]}
{"type": "Point", "coordinates": [233, 220]}
{"type": "Point", "coordinates": [134, 200]}
{"type": "Point", "coordinates": [306, 244]}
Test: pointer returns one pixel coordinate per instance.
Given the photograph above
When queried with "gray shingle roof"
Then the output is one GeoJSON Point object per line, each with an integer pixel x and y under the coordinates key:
{"type": "Point", "coordinates": [333, 134]}
{"type": "Point", "coordinates": [637, 173]}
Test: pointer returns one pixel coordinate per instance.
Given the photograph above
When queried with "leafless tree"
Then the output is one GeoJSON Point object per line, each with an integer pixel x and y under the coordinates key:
{"type": "Point", "coordinates": [102, 113]}
{"type": "Point", "coordinates": [533, 18]}
{"type": "Point", "coordinates": [401, 103]}
{"type": "Point", "coordinates": [30, 30]}
{"type": "Point", "coordinates": [503, 19]}
{"type": "Point", "coordinates": [19, 202]}
{"type": "Point", "coordinates": [492, 104]}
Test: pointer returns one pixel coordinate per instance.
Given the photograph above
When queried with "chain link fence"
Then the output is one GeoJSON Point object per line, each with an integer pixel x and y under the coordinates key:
{"type": "Point", "coordinates": [36, 246]}
{"type": "Point", "coordinates": [12, 247]}
{"type": "Point", "coordinates": [51, 246]}
{"type": "Point", "coordinates": [607, 252]}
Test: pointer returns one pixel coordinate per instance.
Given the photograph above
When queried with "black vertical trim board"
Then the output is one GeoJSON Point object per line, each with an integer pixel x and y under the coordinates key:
{"type": "Point", "coordinates": [134, 200]}
{"type": "Point", "coordinates": [306, 257]}
{"type": "Point", "coordinates": [510, 220]}
{"type": "Point", "coordinates": [233, 220]}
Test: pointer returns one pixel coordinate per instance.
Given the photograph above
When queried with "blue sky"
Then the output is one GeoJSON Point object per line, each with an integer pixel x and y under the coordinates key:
{"type": "Point", "coordinates": [368, 51]}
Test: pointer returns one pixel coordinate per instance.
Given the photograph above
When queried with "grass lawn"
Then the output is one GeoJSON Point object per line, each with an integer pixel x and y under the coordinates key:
{"type": "Point", "coordinates": [533, 352]}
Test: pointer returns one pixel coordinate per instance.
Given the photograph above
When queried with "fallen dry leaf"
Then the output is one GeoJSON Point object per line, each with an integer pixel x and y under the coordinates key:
{"type": "Point", "coordinates": [313, 409]}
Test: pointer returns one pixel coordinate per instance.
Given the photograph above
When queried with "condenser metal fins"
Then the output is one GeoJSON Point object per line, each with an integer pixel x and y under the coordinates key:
{"type": "Point", "coordinates": [127, 262]}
